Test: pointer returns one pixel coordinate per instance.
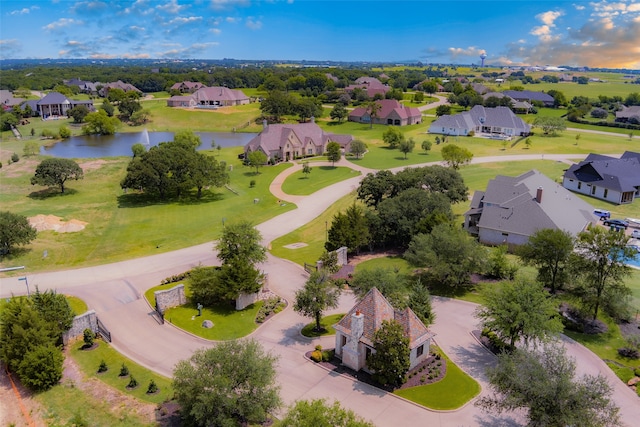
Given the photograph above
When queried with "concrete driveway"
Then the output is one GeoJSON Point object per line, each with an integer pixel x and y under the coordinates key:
{"type": "Point", "coordinates": [115, 292]}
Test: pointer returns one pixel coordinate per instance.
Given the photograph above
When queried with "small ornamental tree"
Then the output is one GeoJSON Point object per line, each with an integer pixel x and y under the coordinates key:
{"type": "Point", "coordinates": [390, 360]}
{"type": "Point", "coordinates": [317, 295]}
{"type": "Point", "coordinates": [358, 148]}
{"type": "Point", "coordinates": [55, 171]}
{"type": "Point", "coordinates": [257, 159]}
{"type": "Point", "coordinates": [456, 156]}
{"type": "Point", "coordinates": [124, 371]}
{"type": "Point", "coordinates": [333, 152]}
{"type": "Point", "coordinates": [88, 337]}
{"type": "Point", "coordinates": [306, 169]}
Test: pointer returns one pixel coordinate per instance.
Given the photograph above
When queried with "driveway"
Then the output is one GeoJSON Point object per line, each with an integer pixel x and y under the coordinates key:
{"type": "Point", "coordinates": [115, 292]}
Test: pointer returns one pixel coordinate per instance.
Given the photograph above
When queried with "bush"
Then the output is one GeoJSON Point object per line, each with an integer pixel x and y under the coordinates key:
{"type": "Point", "coordinates": [599, 113]}
{"type": "Point", "coordinates": [41, 368]}
{"type": "Point", "coordinates": [153, 388]}
{"type": "Point", "coordinates": [327, 355]}
{"type": "Point", "coordinates": [103, 367]}
{"type": "Point", "coordinates": [175, 278]}
{"type": "Point", "coordinates": [471, 133]}
{"type": "Point", "coordinates": [270, 306]}
{"type": "Point", "coordinates": [636, 372]}
{"type": "Point", "coordinates": [630, 352]}
{"type": "Point", "coordinates": [316, 356]}
{"type": "Point", "coordinates": [319, 347]}
{"type": "Point", "coordinates": [133, 383]}
{"type": "Point", "coordinates": [124, 371]}
{"type": "Point", "coordinates": [15, 158]}
{"type": "Point", "coordinates": [64, 132]}
{"type": "Point", "coordinates": [88, 337]}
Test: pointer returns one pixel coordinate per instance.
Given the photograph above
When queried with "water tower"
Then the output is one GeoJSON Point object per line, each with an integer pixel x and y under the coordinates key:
{"type": "Point", "coordinates": [483, 56]}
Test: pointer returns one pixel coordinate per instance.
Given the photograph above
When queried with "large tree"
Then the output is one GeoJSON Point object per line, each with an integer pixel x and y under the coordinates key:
{"type": "Point", "coordinates": [390, 283]}
{"type": "Point", "coordinates": [390, 360]}
{"type": "Point", "coordinates": [318, 413]}
{"type": "Point", "coordinates": [15, 230]}
{"type": "Point", "coordinates": [358, 148]}
{"type": "Point", "coordinates": [375, 187]}
{"type": "Point", "coordinates": [456, 156]}
{"type": "Point", "coordinates": [601, 262]}
{"type": "Point", "coordinates": [257, 159]}
{"type": "Point", "coordinates": [318, 294]}
{"type": "Point", "coordinates": [393, 136]}
{"type": "Point", "coordinates": [542, 383]}
{"type": "Point", "coordinates": [549, 249]}
{"type": "Point", "coordinates": [55, 310]}
{"type": "Point", "coordinates": [207, 171]}
{"type": "Point", "coordinates": [78, 113]}
{"type": "Point", "coordinates": [240, 249]}
{"type": "Point", "coordinates": [339, 112]}
{"type": "Point", "coordinates": [521, 310]}
{"type": "Point", "coordinates": [99, 123]}
{"type": "Point", "coordinates": [277, 104]}
{"type": "Point", "coordinates": [229, 384]}
{"type": "Point", "coordinates": [406, 146]}
{"type": "Point", "coordinates": [373, 108]}
{"type": "Point", "coordinates": [550, 125]}
{"type": "Point", "coordinates": [350, 229]}
{"type": "Point", "coordinates": [449, 252]}
{"type": "Point", "coordinates": [55, 171]}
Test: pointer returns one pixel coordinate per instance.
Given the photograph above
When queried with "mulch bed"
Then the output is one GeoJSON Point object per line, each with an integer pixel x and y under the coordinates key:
{"type": "Point", "coordinates": [415, 377]}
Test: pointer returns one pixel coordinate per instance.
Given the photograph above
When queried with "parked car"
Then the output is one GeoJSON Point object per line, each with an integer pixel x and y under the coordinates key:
{"type": "Point", "coordinates": [618, 223]}
{"type": "Point", "coordinates": [603, 214]}
{"type": "Point", "coordinates": [635, 234]}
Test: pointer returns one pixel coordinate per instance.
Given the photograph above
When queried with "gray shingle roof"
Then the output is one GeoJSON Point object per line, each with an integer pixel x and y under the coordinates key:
{"type": "Point", "coordinates": [510, 206]}
{"type": "Point", "coordinates": [496, 117]}
{"type": "Point", "coordinates": [529, 95]}
{"type": "Point", "coordinates": [620, 175]}
{"type": "Point", "coordinates": [53, 98]}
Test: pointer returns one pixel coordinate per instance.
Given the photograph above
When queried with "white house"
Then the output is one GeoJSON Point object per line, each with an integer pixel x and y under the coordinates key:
{"type": "Point", "coordinates": [499, 121]}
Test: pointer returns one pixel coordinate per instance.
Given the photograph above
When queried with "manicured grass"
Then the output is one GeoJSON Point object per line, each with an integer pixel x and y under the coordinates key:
{"type": "Point", "coordinates": [228, 323]}
{"type": "Point", "coordinates": [89, 361]}
{"type": "Point", "coordinates": [396, 263]}
{"type": "Point", "coordinates": [77, 305]}
{"type": "Point", "coordinates": [320, 176]}
{"type": "Point", "coordinates": [123, 226]}
{"type": "Point", "coordinates": [452, 392]}
{"type": "Point", "coordinates": [66, 405]}
{"type": "Point", "coordinates": [326, 322]}
{"type": "Point", "coordinates": [313, 234]}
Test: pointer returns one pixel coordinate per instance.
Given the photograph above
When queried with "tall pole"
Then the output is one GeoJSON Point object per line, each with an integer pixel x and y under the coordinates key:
{"type": "Point", "coordinates": [27, 283]}
{"type": "Point", "coordinates": [326, 232]}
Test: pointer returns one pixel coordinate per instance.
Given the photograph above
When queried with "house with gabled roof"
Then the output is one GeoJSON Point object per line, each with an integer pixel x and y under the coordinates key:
{"type": "Point", "coordinates": [391, 112]}
{"type": "Point", "coordinates": [606, 178]}
{"type": "Point", "coordinates": [127, 87]}
{"type": "Point", "coordinates": [210, 97]}
{"type": "Point", "coordinates": [628, 113]}
{"type": "Point", "coordinates": [483, 121]}
{"type": "Point", "coordinates": [7, 100]}
{"type": "Point", "coordinates": [187, 87]}
{"type": "Point", "coordinates": [355, 331]}
{"type": "Point", "coordinates": [289, 141]}
{"type": "Point", "coordinates": [531, 96]}
{"type": "Point", "coordinates": [512, 209]}
{"type": "Point", "coordinates": [370, 85]}
{"type": "Point", "coordinates": [55, 104]}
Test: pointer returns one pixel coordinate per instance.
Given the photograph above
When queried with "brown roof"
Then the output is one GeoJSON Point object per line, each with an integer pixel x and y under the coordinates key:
{"type": "Point", "coordinates": [375, 309]}
{"type": "Point", "coordinates": [219, 93]}
{"type": "Point", "coordinates": [188, 85]}
{"type": "Point", "coordinates": [274, 136]}
{"type": "Point", "coordinates": [389, 106]}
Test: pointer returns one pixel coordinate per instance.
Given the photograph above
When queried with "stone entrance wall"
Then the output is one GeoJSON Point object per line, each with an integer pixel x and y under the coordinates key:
{"type": "Point", "coordinates": [88, 320]}
{"type": "Point", "coordinates": [170, 298]}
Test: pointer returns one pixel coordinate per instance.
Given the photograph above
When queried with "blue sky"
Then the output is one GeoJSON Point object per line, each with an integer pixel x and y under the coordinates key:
{"type": "Point", "coordinates": [533, 32]}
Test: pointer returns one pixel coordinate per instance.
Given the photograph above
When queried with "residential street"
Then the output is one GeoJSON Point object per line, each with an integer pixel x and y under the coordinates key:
{"type": "Point", "coordinates": [116, 290]}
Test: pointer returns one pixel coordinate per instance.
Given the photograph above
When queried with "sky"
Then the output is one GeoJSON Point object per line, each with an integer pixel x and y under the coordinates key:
{"type": "Point", "coordinates": [515, 32]}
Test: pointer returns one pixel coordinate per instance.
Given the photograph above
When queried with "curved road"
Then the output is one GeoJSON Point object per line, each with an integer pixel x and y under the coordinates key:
{"type": "Point", "coordinates": [116, 290]}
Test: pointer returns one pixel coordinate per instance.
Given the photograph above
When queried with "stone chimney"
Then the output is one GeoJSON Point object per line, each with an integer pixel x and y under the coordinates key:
{"type": "Point", "coordinates": [357, 325]}
{"type": "Point", "coordinates": [539, 195]}
{"type": "Point", "coordinates": [264, 124]}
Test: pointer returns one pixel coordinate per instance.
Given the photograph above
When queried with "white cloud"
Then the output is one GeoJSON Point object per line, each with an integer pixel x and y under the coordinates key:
{"type": "Point", "coordinates": [227, 4]}
{"type": "Point", "coordinates": [182, 20]}
{"type": "Point", "coordinates": [10, 48]}
{"type": "Point", "coordinates": [542, 30]}
{"type": "Point", "coordinates": [231, 20]}
{"type": "Point", "coordinates": [24, 11]}
{"type": "Point", "coordinates": [172, 7]}
{"type": "Point", "coordinates": [215, 31]}
{"type": "Point", "coordinates": [191, 51]}
{"type": "Point", "coordinates": [455, 52]}
{"type": "Point", "coordinates": [90, 7]}
{"type": "Point", "coordinates": [548, 18]}
{"type": "Point", "coordinates": [253, 24]}
{"type": "Point", "coordinates": [61, 23]}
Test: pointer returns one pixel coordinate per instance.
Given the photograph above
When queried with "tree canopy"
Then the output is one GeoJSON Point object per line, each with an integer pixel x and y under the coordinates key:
{"type": "Point", "coordinates": [456, 156]}
{"type": "Point", "coordinates": [229, 384]}
{"type": "Point", "coordinates": [56, 171]}
{"type": "Point", "coordinates": [390, 360]}
{"type": "Point", "coordinates": [318, 413]}
{"type": "Point", "coordinates": [15, 230]}
{"type": "Point", "coordinates": [257, 159]}
{"type": "Point", "coordinates": [318, 294]}
{"type": "Point", "coordinates": [333, 152]}
{"type": "Point", "coordinates": [549, 249]}
{"type": "Point", "coordinates": [550, 125]}
{"type": "Point", "coordinates": [522, 310]}
{"type": "Point", "coordinates": [542, 383]}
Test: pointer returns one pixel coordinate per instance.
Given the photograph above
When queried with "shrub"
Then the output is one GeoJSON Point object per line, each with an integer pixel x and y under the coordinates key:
{"type": "Point", "coordinates": [471, 133]}
{"type": "Point", "coordinates": [630, 352]}
{"type": "Point", "coordinates": [252, 183]}
{"type": "Point", "coordinates": [133, 383]}
{"type": "Point", "coordinates": [599, 113]}
{"type": "Point", "coordinates": [153, 388]}
{"type": "Point", "coordinates": [423, 379]}
{"type": "Point", "coordinates": [124, 371]}
{"type": "Point", "coordinates": [15, 158]}
{"type": "Point", "coordinates": [64, 132]}
{"type": "Point", "coordinates": [316, 356]}
{"type": "Point", "coordinates": [319, 347]}
{"type": "Point", "coordinates": [88, 337]}
{"type": "Point", "coordinates": [103, 366]}
{"type": "Point", "coordinates": [272, 305]}
{"type": "Point", "coordinates": [327, 355]}
{"type": "Point", "coordinates": [637, 372]}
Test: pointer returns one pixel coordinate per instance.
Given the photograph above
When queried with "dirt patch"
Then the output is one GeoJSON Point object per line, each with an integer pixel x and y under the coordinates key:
{"type": "Point", "coordinates": [357, 259]}
{"type": "Point", "coordinates": [20, 168]}
{"type": "Point", "coordinates": [51, 222]}
{"type": "Point", "coordinates": [10, 411]}
{"type": "Point", "coordinates": [93, 164]}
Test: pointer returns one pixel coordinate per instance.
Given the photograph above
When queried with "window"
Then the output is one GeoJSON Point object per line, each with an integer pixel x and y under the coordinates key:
{"type": "Point", "coordinates": [579, 185]}
{"type": "Point", "coordinates": [593, 190]}
{"type": "Point", "coordinates": [420, 351]}
{"type": "Point", "coordinates": [606, 192]}
{"type": "Point", "coordinates": [310, 151]}
{"type": "Point", "coordinates": [344, 340]}
{"type": "Point", "coordinates": [367, 352]}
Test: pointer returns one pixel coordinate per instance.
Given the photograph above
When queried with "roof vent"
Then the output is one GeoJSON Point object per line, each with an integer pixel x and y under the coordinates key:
{"type": "Point", "coordinates": [539, 195]}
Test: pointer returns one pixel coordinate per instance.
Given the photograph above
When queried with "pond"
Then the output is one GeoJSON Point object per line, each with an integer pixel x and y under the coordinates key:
{"type": "Point", "coordinates": [95, 146]}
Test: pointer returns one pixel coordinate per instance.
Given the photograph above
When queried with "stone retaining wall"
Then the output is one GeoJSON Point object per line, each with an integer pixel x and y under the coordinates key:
{"type": "Point", "coordinates": [80, 323]}
{"type": "Point", "coordinates": [170, 298]}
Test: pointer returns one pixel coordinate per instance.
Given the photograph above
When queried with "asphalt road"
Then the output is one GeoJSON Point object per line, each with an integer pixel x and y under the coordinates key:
{"type": "Point", "coordinates": [116, 290]}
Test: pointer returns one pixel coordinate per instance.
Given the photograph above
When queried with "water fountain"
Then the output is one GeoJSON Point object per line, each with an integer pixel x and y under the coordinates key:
{"type": "Point", "coordinates": [145, 138]}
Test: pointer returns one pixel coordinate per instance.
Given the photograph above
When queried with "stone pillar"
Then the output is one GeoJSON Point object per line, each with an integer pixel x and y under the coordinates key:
{"type": "Point", "coordinates": [342, 256]}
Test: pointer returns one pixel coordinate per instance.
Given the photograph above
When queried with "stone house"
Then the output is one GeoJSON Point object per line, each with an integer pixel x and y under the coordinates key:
{"type": "Point", "coordinates": [391, 112]}
{"type": "Point", "coordinates": [370, 85]}
{"type": "Point", "coordinates": [289, 141]}
{"type": "Point", "coordinates": [355, 331]}
{"type": "Point", "coordinates": [127, 87]}
{"type": "Point", "coordinates": [606, 178]}
{"type": "Point", "coordinates": [512, 209]}
{"type": "Point", "coordinates": [187, 87]}
{"type": "Point", "coordinates": [210, 97]}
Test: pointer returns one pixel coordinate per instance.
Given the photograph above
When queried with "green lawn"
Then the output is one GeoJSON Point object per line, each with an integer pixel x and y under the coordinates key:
{"type": "Point", "coordinates": [300, 183]}
{"type": "Point", "coordinates": [313, 234]}
{"type": "Point", "coordinates": [452, 392]}
{"type": "Point", "coordinates": [228, 323]}
{"type": "Point", "coordinates": [396, 263]}
{"type": "Point", "coordinates": [326, 322]}
{"type": "Point", "coordinates": [77, 305]}
{"type": "Point", "coordinates": [123, 226]}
